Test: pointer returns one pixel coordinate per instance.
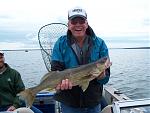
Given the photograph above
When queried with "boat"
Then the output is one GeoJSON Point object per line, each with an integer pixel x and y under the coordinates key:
{"type": "Point", "coordinates": [113, 102]}
{"type": "Point", "coordinates": [26, 50]}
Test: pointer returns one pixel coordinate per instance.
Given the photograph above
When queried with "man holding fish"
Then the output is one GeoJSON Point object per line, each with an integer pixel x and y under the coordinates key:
{"type": "Point", "coordinates": [80, 46]}
{"type": "Point", "coordinates": [79, 68]}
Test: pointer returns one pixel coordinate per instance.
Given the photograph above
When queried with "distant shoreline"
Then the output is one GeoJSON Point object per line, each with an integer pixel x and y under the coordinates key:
{"type": "Point", "coordinates": [26, 50]}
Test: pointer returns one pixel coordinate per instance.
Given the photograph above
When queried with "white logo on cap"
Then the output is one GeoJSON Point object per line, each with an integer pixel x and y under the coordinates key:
{"type": "Point", "coordinates": [77, 10]}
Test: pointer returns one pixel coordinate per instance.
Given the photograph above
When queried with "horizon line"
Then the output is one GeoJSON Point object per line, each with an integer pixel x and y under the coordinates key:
{"type": "Point", "coordinates": [32, 49]}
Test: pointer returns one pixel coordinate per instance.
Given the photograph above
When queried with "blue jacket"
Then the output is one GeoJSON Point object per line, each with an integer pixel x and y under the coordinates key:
{"type": "Point", "coordinates": [64, 57]}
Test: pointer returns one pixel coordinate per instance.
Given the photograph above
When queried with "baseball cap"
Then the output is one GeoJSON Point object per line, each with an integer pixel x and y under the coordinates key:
{"type": "Point", "coordinates": [77, 12]}
{"type": "Point", "coordinates": [1, 53]}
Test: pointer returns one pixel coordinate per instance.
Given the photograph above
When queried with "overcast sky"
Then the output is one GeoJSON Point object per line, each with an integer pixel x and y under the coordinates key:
{"type": "Point", "coordinates": [20, 20]}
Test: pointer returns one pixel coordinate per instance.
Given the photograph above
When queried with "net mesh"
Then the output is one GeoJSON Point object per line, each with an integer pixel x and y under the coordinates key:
{"type": "Point", "coordinates": [47, 37]}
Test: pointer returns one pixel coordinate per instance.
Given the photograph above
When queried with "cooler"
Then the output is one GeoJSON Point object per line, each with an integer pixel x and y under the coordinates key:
{"type": "Point", "coordinates": [45, 102]}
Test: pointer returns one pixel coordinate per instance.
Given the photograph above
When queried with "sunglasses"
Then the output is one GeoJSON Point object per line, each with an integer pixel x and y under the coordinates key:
{"type": "Point", "coordinates": [77, 20]}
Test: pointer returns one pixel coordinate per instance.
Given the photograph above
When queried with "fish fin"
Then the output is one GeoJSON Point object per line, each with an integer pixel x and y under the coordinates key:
{"type": "Point", "coordinates": [28, 96]}
{"type": "Point", "coordinates": [85, 82]}
{"type": "Point", "coordinates": [84, 85]}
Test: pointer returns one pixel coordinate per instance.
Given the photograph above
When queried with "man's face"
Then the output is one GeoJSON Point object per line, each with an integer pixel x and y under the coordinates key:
{"type": "Point", "coordinates": [2, 60]}
{"type": "Point", "coordinates": [78, 26]}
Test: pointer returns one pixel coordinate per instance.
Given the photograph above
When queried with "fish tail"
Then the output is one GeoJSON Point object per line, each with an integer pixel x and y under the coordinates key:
{"type": "Point", "coordinates": [28, 96]}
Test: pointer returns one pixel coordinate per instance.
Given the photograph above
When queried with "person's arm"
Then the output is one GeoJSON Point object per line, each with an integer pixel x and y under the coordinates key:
{"type": "Point", "coordinates": [104, 76]}
{"type": "Point", "coordinates": [18, 86]}
{"type": "Point", "coordinates": [57, 64]}
{"type": "Point", "coordinates": [56, 58]}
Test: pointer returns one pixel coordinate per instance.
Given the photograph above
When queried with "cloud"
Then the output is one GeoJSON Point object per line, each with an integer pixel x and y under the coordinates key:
{"type": "Point", "coordinates": [108, 18]}
{"type": "Point", "coordinates": [32, 37]}
{"type": "Point", "coordinates": [17, 45]}
{"type": "Point", "coordinates": [11, 46]}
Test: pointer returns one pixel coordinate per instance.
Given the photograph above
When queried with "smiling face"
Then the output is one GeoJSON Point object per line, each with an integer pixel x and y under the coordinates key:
{"type": "Point", "coordinates": [78, 27]}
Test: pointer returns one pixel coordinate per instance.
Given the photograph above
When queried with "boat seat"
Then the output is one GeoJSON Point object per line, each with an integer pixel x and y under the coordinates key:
{"type": "Point", "coordinates": [107, 109]}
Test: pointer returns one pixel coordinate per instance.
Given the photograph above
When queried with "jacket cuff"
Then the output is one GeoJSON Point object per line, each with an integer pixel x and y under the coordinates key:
{"type": "Point", "coordinates": [104, 80]}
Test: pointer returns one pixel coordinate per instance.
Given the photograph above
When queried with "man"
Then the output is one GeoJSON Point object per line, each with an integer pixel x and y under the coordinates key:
{"type": "Point", "coordinates": [79, 46]}
{"type": "Point", "coordinates": [10, 84]}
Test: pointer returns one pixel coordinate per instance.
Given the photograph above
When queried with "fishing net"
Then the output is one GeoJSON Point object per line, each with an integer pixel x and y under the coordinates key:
{"type": "Point", "coordinates": [47, 36]}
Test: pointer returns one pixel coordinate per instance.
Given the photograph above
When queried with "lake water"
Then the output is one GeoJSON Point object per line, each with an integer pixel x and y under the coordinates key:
{"type": "Point", "coordinates": [130, 72]}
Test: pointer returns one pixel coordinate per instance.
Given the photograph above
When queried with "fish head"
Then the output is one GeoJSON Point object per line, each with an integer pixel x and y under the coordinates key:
{"type": "Point", "coordinates": [99, 67]}
{"type": "Point", "coordinates": [98, 70]}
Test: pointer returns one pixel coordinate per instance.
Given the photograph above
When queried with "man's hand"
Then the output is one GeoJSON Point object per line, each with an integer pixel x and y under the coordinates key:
{"type": "Point", "coordinates": [64, 85]}
{"type": "Point", "coordinates": [107, 65]}
{"type": "Point", "coordinates": [11, 108]}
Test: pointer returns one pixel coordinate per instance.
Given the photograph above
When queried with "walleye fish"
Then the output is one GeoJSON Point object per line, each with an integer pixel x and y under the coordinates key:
{"type": "Point", "coordinates": [81, 76]}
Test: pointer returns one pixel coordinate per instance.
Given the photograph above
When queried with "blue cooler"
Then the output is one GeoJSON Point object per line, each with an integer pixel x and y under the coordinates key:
{"type": "Point", "coordinates": [45, 102]}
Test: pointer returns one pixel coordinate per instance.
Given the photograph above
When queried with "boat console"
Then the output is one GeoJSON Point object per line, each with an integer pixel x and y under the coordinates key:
{"type": "Point", "coordinates": [132, 106]}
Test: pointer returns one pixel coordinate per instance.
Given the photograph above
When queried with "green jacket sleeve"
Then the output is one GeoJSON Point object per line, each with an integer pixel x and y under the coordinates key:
{"type": "Point", "coordinates": [18, 86]}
